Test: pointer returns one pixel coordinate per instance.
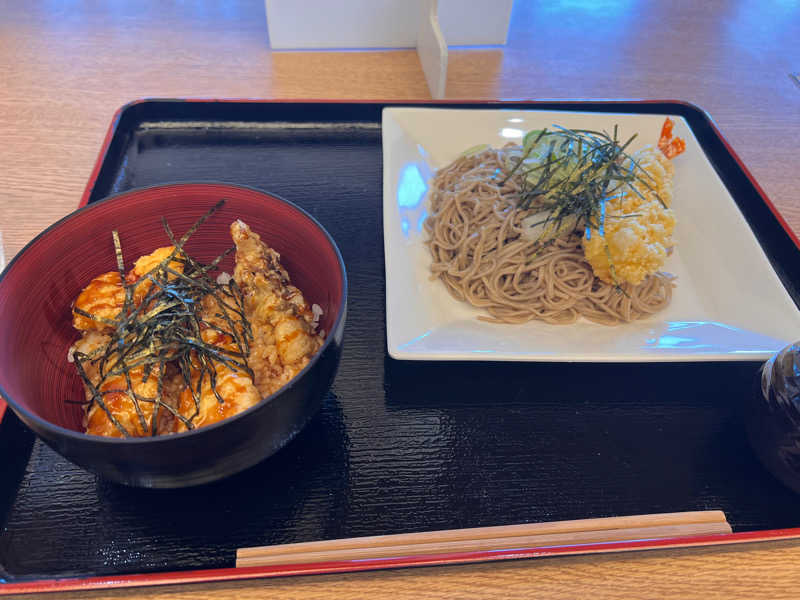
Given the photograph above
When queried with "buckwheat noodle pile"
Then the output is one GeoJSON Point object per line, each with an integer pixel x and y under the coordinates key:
{"type": "Point", "coordinates": [475, 236]}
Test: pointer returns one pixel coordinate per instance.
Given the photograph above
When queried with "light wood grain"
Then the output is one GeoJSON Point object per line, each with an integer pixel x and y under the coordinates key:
{"type": "Point", "coordinates": [66, 67]}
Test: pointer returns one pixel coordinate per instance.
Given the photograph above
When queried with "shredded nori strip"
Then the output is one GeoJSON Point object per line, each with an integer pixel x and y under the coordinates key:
{"type": "Point", "coordinates": [165, 330]}
{"type": "Point", "coordinates": [579, 171]}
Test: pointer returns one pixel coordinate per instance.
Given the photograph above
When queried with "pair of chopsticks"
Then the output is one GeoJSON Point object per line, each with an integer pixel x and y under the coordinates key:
{"type": "Point", "coordinates": [486, 539]}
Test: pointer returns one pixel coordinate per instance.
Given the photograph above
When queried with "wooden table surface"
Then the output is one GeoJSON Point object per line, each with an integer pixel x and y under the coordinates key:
{"type": "Point", "coordinates": [65, 67]}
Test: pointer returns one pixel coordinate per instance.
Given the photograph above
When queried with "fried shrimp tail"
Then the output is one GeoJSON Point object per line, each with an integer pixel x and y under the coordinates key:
{"type": "Point", "coordinates": [671, 147]}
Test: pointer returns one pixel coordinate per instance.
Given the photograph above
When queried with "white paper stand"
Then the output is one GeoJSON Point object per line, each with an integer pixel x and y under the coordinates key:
{"type": "Point", "coordinates": [427, 25]}
{"type": "Point", "coordinates": [432, 49]}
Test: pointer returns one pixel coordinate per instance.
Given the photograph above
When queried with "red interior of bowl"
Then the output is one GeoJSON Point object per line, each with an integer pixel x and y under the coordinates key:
{"type": "Point", "coordinates": [37, 290]}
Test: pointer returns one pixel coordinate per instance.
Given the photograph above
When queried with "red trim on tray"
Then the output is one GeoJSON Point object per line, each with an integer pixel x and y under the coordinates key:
{"type": "Point", "coordinates": [234, 574]}
{"type": "Point", "coordinates": [3, 406]}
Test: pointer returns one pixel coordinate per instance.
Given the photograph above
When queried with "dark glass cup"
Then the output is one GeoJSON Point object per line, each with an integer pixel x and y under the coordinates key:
{"type": "Point", "coordinates": [772, 416]}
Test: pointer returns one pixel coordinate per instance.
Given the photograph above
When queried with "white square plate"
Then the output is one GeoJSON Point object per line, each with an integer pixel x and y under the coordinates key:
{"type": "Point", "coordinates": [728, 303]}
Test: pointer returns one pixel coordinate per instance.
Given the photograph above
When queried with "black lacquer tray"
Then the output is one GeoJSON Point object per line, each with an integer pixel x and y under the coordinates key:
{"type": "Point", "coordinates": [398, 446]}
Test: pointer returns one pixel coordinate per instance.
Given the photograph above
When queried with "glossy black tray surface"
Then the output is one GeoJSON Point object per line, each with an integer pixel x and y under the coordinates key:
{"type": "Point", "coordinates": [398, 446]}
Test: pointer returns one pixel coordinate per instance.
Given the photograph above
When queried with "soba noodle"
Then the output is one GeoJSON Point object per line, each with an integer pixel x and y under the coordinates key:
{"type": "Point", "coordinates": [482, 256]}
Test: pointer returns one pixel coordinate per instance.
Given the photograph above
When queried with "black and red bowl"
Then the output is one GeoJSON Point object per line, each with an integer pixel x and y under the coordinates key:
{"type": "Point", "coordinates": [39, 285]}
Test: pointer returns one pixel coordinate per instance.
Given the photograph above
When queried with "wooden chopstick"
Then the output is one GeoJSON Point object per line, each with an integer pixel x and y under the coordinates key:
{"type": "Point", "coordinates": [528, 535]}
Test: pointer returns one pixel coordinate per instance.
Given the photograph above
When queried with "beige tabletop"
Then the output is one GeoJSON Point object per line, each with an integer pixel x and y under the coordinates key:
{"type": "Point", "coordinates": [65, 67]}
